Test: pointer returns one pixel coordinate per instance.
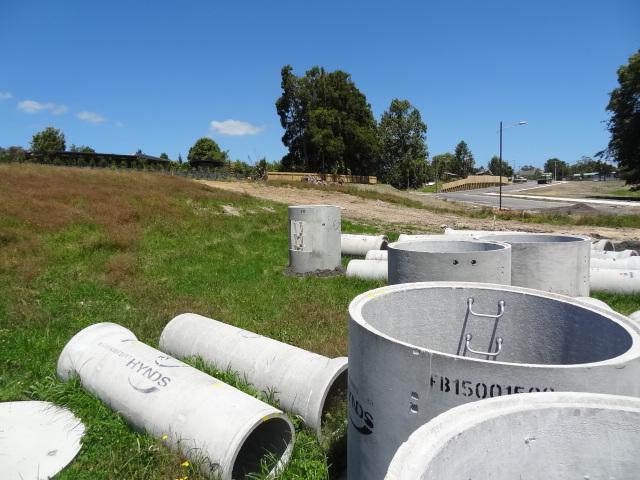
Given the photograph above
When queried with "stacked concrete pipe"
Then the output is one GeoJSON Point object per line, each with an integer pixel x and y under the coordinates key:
{"type": "Point", "coordinates": [314, 238]}
{"type": "Point", "coordinates": [377, 255]}
{"type": "Point", "coordinates": [454, 260]}
{"type": "Point", "coordinates": [532, 436]}
{"type": "Point", "coordinates": [224, 431]}
{"type": "Point", "coordinates": [552, 263]}
{"type": "Point", "coordinates": [304, 382]}
{"type": "Point", "coordinates": [629, 263]}
{"type": "Point", "coordinates": [419, 349]}
{"type": "Point", "coordinates": [359, 245]}
{"type": "Point", "coordinates": [602, 246]}
{"type": "Point", "coordinates": [478, 233]}
{"type": "Point", "coordinates": [615, 280]}
{"type": "Point", "coordinates": [610, 255]}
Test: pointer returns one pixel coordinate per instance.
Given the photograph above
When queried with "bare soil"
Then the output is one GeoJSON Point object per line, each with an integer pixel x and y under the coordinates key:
{"type": "Point", "coordinates": [406, 219]}
{"type": "Point", "coordinates": [577, 189]}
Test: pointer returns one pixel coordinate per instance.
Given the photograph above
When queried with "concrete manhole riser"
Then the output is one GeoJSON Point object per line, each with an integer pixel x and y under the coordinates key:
{"type": "Point", "coordinates": [548, 262]}
{"type": "Point", "coordinates": [314, 238]}
{"type": "Point", "coordinates": [450, 260]}
{"type": "Point", "coordinates": [410, 356]}
{"type": "Point", "coordinates": [532, 436]}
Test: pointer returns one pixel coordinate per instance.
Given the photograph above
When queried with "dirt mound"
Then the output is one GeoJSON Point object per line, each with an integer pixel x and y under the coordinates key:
{"type": "Point", "coordinates": [575, 209]}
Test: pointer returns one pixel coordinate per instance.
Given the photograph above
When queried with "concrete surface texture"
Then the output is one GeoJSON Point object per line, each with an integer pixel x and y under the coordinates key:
{"type": "Point", "coordinates": [368, 269]}
{"type": "Point", "coordinates": [547, 262]}
{"type": "Point", "coordinates": [533, 436]}
{"type": "Point", "coordinates": [410, 356]}
{"type": "Point", "coordinates": [314, 238]}
{"type": "Point", "coordinates": [223, 430]}
{"type": "Point", "coordinates": [359, 245]}
{"type": "Point", "coordinates": [301, 381]}
{"type": "Point", "coordinates": [449, 259]}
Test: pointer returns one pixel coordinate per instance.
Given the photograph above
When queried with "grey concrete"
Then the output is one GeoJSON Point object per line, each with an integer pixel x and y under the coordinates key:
{"type": "Point", "coordinates": [359, 245]}
{"type": "Point", "coordinates": [451, 260]}
{"type": "Point", "coordinates": [627, 263]}
{"type": "Point", "coordinates": [409, 360]}
{"type": "Point", "coordinates": [595, 302]}
{"type": "Point", "coordinates": [602, 246]}
{"type": "Point", "coordinates": [314, 238]}
{"type": "Point", "coordinates": [615, 280]}
{"type": "Point", "coordinates": [302, 381]}
{"type": "Point", "coordinates": [552, 263]}
{"type": "Point", "coordinates": [224, 431]}
{"type": "Point", "coordinates": [377, 255]}
{"type": "Point", "coordinates": [533, 436]}
{"type": "Point", "coordinates": [368, 269]}
{"type": "Point", "coordinates": [610, 254]}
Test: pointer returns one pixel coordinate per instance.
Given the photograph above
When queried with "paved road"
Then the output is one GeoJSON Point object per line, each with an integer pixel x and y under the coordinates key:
{"type": "Point", "coordinates": [488, 197]}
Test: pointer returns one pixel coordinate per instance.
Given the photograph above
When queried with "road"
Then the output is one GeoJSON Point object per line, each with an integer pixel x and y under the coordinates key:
{"type": "Point", "coordinates": [489, 197]}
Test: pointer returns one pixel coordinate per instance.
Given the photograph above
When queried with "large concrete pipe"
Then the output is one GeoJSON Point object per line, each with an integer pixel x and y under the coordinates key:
{"type": "Point", "coordinates": [602, 245]}
{"type": "Point", "coordinates": [224, 431]}
{"type": "Point", "coordinates": [595, 302]}
{"type": "Point", "coordinates": [314, 238]}
{"type": "Point", "coordinates": [608, 254]}
{"type": "Point", "coordinates": [367, 269]}
{"type": "Point", "coordinates": [635, 316]}
{"type": "Point", "coordinates": [377, 255]}
{"type": "Point", "coordinates": [629, 263]}
{"type": "Point", "coordinates": [552, 263]}
{"type": "Point", "coordinates": [615, 280]}
{"type": "Point", "coordinates": [532, 436]}
{"type": "Point", "coordinates": [359, 245]}
{"type": "Point", "coordinates": [478, 233]}
{"type": "Point", "coordinates": [455, 260]}
{"type": "Point", "coordinates": [305, 383]}
{"type": "Point", "coordinates": [418, 349]}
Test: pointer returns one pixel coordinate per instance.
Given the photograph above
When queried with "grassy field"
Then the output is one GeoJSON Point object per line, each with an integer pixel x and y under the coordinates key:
{"type": "Point", "coordinates": [79, 247]}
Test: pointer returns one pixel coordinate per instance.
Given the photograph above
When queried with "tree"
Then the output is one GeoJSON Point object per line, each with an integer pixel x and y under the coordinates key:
{"type": "Point", "coordinates": [442, 164]}
{"type": "Point", "coordinates": [558, 167]}
{"type": "Point", "coordinates": [180, 158]}
{"type": "Point", "coordinates": [48, 142]}
{"type": "Point", "coordinates": [164, 156]}
{"type": "Point", "coordinates": [329, 126]}
{"type": "Point", "coordinates": [624, 124]}
{"type": "Point", "coordinates": [403, 152]}
{"type": "Point", "coordinates": [464, 162]}
{"type": "Point", "coordinates": [81, 149]}
{"type": "Point", "coordinates": [205, 149]}
{"type": "Point", "coordinates": [494, 165]}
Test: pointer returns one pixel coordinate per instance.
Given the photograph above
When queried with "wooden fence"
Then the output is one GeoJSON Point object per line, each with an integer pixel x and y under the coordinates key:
{"type": "Point", "coordinates": [299, 177]}
{"type": "Point", "coordinates": [472, 182]}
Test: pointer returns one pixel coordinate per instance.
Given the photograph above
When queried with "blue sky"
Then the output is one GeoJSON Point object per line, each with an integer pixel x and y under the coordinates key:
{"type": "Point", "coordinates": [155, 75]}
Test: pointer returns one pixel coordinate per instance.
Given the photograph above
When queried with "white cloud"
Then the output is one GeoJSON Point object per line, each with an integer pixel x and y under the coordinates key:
{"type": "Point", "coordinates": [5, 95]}
{"type": "Point", "coordinates": [234, 128]}
{"type": "Point", "coordinates": [31, 106]}
{"type": "Point", "coordinates": [90, 117]}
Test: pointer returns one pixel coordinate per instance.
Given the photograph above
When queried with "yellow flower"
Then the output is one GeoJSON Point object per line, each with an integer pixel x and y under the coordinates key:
{"type": "Point", "coordinates": [164, 437]}
{"type": "Point", "coordinates": [185, 463]}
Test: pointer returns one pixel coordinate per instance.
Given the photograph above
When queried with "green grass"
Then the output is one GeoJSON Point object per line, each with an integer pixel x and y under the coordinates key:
{"type": "Point", "coordinates": [624, 192]}
{"type": "Point", "coordinates": [428, 189]}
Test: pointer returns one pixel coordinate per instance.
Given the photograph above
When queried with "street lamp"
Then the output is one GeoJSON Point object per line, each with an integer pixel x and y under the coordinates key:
{"type": "Point", "coordinates": [523, 122]}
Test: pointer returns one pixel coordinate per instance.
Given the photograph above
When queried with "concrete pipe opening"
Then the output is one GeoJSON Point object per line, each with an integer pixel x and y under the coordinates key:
{"type": "Point", "coordinates": [551, 263]}
{"type": "Point", "coordinates": [270, 439]}
{"type": "Point", "coordinates": [533, 436]}
{"type": "Point", "coordinates": [314, 238]}
{"type": "Point", "coordinates": [418, 349]}
{"type": "Point", "coordinates": [359, 245]}
{"type": "Point", "coordinates": [455, 260]}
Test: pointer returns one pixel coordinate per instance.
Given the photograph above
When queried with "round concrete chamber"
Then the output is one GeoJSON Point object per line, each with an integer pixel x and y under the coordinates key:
{"type": "Point", "coordinates": [533, 436]}
{"type": "Point", "coordinates": [454, 260]}
{"type": "Point", "coordinates": [552, 263]}
{"type": "Point", "coordinates": [314, 238]}
{"type": "Point", "coordinates": [419, 349]}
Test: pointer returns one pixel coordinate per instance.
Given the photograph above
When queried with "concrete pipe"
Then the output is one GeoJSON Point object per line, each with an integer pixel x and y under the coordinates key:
{"type": "Point", "coordinates": [635, 316]}
{"type": "Point", "coordinates": [479, 233]}
{"type": "Point", "coordinates": [607, 254]}
{"type": "Point", "coordinates": [595, 302]}
{"type": "Point", "coordinates": [629, 263]}
{"type": "Point", "coordinates": [552, 263]}
{"type": "Point", "coordinates": [359, 245]}
{"type": "Point", "coordinates": [377, 255]}
{"type": "Point", "coordinates": [305, 383]}
{"type": "Point", "coordinates": [219, 428]}
{"type": "Point", "coordinates": [367, 269]}
{"type": "Point", "coordinates": [615, 280]}
{"type": "Point", "coordinates": [419, 349]}
{"type": "Point", "coordinates": [454, 260]}
{"type": "Point", "coordinates": [314, 238]}
{"type": "Point", "coordinates": [602, 245]}
{"type": "Point", "coordinates": [533, 436]}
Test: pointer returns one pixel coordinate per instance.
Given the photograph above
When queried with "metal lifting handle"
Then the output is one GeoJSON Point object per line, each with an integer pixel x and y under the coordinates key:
{"type": "Point", "coordinates": [468, 338]}
{"type": "Point", "coordinates": [500, 310]}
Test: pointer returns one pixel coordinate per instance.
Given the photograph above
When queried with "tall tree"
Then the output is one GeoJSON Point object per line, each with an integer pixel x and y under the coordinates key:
{"type": "Point", "coordinates": [329, 126]}
{"type": "Point", "coordinates": [464, 161]}
{"type": "Point", "coordinates": [558, 167]}
{"type": "Point", "coordinates": [48, 142]}
{"type": "Point", "coordinates": [624, 125]}
{"type": "Point", "coordinates": [81, 149]}
{"type": "Point", "coordinates": [403, 152]}
{"type": "Point", "coordinates": [442, 165]}
{"type": "Point", "coordinates": [164, 156]}
{"type": "Point", "coordinates": [206, 149]}
{"type": "Point", "coordinates": [498, 168]}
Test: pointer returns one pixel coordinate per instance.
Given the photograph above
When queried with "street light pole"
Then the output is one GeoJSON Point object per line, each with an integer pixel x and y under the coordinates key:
{"type": "Point", "coordinates": [500, 168]}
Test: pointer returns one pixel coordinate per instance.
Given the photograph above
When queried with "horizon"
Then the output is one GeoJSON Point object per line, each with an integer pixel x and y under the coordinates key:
{"type": "Point", "coordinates": [157, 79]}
